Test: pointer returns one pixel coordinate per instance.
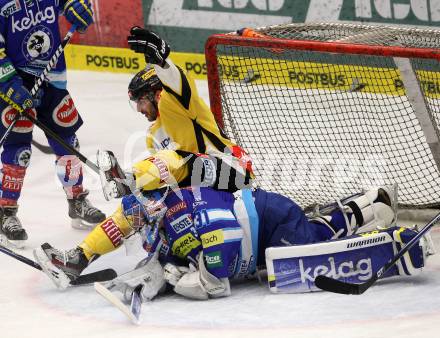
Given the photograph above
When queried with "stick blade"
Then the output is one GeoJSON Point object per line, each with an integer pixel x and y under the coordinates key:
{"type": "Point", "coordinates": [136, 304]}
{"type": "Point", "coordinates": [98, 276]}
{"type": "Point", "coordinates": [115, 301]}
{"type": "Point", "coordinates": [333, 285]}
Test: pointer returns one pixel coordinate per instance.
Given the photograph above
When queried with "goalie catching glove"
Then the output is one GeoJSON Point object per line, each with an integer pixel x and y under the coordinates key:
{"type": "Point", "coordinates": [115, 183]}
{"type": "Point", "coordinates": [196, 283]}
{"type": "Point", "coordinates": [150, 44]}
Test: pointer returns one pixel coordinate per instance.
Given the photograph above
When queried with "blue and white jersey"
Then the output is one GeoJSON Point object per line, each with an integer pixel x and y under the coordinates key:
{"type": "Point", "coordinates": [222, 226]}
{"type": "Point", "coordinates": [29, 37]}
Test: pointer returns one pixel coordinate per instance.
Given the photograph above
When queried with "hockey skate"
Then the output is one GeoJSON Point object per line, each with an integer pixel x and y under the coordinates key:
{"type": "Point", "coordinates": [374, 209]}
{"type": "Point", "coordinates": [113, 180]}
{"type": "Point", "coordinates": [11, 227]}
{"type": "Point", "coordinates": [61, 267]}
{"type": "Point", "coordinates": [82, 213]}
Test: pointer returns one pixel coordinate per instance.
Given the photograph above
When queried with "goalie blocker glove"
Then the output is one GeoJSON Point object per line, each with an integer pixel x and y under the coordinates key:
{"type": "Point", "coordinates": [150, 44]}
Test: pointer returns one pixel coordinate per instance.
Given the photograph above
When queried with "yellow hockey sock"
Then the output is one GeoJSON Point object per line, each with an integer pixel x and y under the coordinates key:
{"type": "Point", "coordinates": [107, 235]}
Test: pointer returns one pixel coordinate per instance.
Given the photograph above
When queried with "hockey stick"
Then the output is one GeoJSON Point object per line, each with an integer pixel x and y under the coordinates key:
{"type": "Point", "coordinates": [98, 276]}
{"type": "Point", "coordinates": [41, 147]}
{"type": "Point", "coordinates": [20, 258]}
{"type": "Point", "coordinates": [52, 62]}
{"type": "Point", "coordinates": [133, 311]}
{"type": "Point", "coordinates": [47, 130]}
{"type": "Point", "coordinates": [61, 142]}
{"type": "Point", "coordinates": [334, 285]}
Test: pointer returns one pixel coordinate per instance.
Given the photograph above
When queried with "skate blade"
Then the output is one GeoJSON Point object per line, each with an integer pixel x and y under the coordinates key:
{"type": "Point", "coordinates": [12, 244]}
{"type": "Point", "coordinates": [58, 277]}
{"type": "Point", "coordinates": [79, 224]}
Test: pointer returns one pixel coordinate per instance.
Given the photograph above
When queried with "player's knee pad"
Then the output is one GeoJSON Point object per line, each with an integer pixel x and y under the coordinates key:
{"type": "Point", "coordinates": [373, 208]}
{"type": "Point", "coordinates": [69, 171]}
{"type": "Point", "coordinates": [18, 154]}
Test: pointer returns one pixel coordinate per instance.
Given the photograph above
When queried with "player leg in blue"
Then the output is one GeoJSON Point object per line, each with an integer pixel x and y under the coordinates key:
{"type": "Point", "coordinates": [58, 112]}
{"type": "Point", "coordinates": [284, 223]}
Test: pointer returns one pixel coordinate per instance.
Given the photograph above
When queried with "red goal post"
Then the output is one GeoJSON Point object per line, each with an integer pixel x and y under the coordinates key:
{"type": "Point", "coordinates": [326, 110]}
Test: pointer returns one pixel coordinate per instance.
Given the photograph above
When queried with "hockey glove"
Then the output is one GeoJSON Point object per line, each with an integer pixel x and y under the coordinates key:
{"type": "Point", "coordinates": [172, 273]}
{"type": "Point", "coordinates": [79, 13]}
{"type": "Point", "coordinates": [115, 182]}
{"type": "Point", "coordinates": [14, 93]}
{"type": "Point", "coordinates": [150, 44]}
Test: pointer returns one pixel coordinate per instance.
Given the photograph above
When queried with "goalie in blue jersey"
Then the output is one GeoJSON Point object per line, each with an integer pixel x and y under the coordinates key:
{"type": "Point", "coordinates": [199, 239]}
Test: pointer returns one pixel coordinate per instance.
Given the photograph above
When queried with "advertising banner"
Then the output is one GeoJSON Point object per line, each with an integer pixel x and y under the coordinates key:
{"type": "Point", "coordinates": [113, 19]}
{"type": "Point", "coordinates": [186, 24]}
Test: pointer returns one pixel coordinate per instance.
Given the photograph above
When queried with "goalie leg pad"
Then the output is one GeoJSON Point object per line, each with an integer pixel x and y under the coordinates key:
{"type": "Point", "coordinates": [354, 259]}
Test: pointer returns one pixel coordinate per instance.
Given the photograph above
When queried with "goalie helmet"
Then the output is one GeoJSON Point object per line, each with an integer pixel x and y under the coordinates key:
{"type": "Point", "coordinates": [144, 84]}
{"type": "Point", "coordinates": [154, 204]}
{"type": "Point", "coordinates": [146, 207]}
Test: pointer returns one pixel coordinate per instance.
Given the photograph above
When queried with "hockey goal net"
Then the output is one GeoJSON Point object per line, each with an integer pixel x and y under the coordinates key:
{"type": "Point", "coordinates": [326, 110]}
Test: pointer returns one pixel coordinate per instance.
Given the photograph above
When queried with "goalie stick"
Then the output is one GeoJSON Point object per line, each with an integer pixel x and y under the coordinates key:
{"type": "Point", "coordinates": [133, 311]}
{"type": "Point", "coordinates": [98, 276]}
{"type": "Point", "coordinates": [333, 285]}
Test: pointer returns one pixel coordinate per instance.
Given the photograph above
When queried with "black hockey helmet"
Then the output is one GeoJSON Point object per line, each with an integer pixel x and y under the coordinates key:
{"type": "Point", "coordinates": [144, 83]}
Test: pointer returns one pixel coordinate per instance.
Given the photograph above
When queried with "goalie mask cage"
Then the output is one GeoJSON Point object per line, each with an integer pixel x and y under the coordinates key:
{"type": "Point", "coordinates": [327, 110]}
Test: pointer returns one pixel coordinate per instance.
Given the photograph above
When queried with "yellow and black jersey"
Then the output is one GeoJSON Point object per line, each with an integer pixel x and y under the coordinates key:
{"type": "Point", "coordinates": [185, 126]}
{"type": "Point", "coordinates": [185, 122]}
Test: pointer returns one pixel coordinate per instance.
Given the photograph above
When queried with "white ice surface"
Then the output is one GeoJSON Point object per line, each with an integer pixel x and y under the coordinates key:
{"type": "Point", "coordinates": [30, 306]}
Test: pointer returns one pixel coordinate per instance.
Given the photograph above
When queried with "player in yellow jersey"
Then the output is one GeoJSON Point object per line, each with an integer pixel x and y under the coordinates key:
{"type": "Point", "coordinates": [182, 124]}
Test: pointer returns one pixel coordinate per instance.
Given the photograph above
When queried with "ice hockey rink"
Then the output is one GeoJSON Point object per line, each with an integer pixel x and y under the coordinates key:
{"type": "Point", "coordinates": [31, 306]}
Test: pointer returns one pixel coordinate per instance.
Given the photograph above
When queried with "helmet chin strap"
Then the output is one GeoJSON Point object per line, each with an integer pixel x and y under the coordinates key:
{"type": "Point", "coordinates": [151, 96]}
